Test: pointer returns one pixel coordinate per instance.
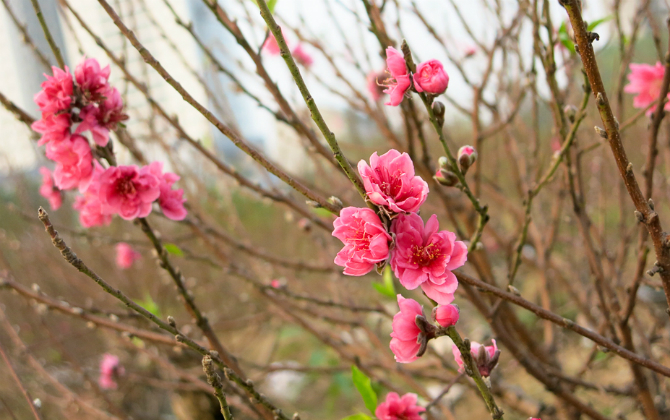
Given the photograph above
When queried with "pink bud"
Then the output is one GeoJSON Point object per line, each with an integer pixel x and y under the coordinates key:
{"type": "Point", "coordinates": [446, 315]}
{"type": "Point", "coordinates": [446, 178]}
{"type": "Point", "coordinates": [467, 155]}
{"type": "Point", "coordinates": [430, 77]}
{"type": "Point", "coordinates": [275, 283]}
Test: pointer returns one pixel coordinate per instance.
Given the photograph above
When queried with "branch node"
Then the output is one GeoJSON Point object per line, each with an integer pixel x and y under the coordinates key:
{"type": "Point", "coordinates": [639, 216]}
{"type": "Point", "coordinates": [600, 100]}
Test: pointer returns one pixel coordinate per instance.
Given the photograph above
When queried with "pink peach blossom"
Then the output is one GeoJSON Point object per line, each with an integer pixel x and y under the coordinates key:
{"type": "Point", "coordinates": [275, 284]}
{"type": "Point", "coordinates": [53, 127]}
{"type": "Point", "coordinates": [365, 240]}
{"type": "Point", "coordinates": [270, 45]}
{"type": "Point", "coordinates": [405, 341]}
{"type": "Point", "coordinates": [171, 201]}
{"type": "Point", "coordinates": [89, 205]}
{"type": "Point", "coordinates": [128, 191]}
{"type": "Point", "coordinates": [92, 80]}
{"type": "Point", "coordinates": [103, 118]}
{"type": "Point", "coordinates": [446, 315]}
{"type": "Point", "coordinates": [430, 77]}
{"type": "Point", "coordinates": [397, 408]}
{"type": "Point", "coordinates": [374, 84]}
{"type": "Point", "coordinates": [486, 357]}
{"type": "Point", "coordinates": [74, 162]}
{"type": "Point", "coordinates": [645, 80]}
{"type": "Point", "coordinates": [126, 255]}
{"type": "Point", "coordinates": [48, 190]}
{"type": "Point", "coordinates": [390, 182]}
{"type": "Point", "coordinates": [110, 369]}
{"type": "Point", "coordinates": [399, 82]}
{"type": "Point", "coordinates": [424, 256]}
{"type": "Point", "coordinates": [56, 93]}
{"type": "Point", "coordinates": [302, 57]}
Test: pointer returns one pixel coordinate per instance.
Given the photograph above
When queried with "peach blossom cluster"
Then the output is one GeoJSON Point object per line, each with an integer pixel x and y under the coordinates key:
{"type": "Point", "coordinates": [72, 106]}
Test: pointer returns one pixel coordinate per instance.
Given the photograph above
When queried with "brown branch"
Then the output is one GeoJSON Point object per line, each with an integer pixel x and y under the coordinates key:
{"type": "Point", "coordinates": [22, 388]}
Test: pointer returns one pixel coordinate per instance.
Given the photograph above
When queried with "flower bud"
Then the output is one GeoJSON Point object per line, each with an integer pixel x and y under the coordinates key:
{"type": "Point", "coordinates": [570, 112]}
{"type": "Point", "coordinates": [438, 110]}
{"type": "Point", "coordinates": [446, 178]}
{"type": "Point", "coordinates": [446, 315]}
{"type": "Point", "coordinates": [443, 162]}
{"type": "Point", "coordinates": [467, 155]}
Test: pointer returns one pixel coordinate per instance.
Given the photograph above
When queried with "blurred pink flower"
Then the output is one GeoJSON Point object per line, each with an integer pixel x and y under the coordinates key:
{"type": "Point", "coordinates": [390, 182]}
{"type": "Point", "coordinates": [430, 77]}
{"type": "Point", "coordinates": [374, 86]}
{"type": "Point", "coordinates": [645, 80]}
{"type": "Point", "coordinates": [126, 255]}
{"type": "Point", "coordinates": [486, 357]}
{"type": "Point", "coordinates": [102, 118]}
{"type": "Point", "coordinates": [365, 240]}
{"type": "Point", "coordinates": [48, 190]}
{"type": "Point", "coordinates": [92, 80]}
{"type": "Point", "coordinates": [302, 57]}
{"type": "Point", "coordinates": [171, 201]}
{"type": "Point", "coordinates": [275, 283]}
{"type": "Point", "coordinates": [128, 191]}
{"type": "Point", "coordinates": [405, 341]}
{"type": "Point", "coordinates": [270, 45]}
{"type": "Point", "coordinates": [74, 162]}
{"type": "Point", "coordinates": [446, 315]}
{"type": "Point", "coordinates": [425, 257]}
{"type": "Point", "coordinates": [110, 369]}
{"type": "Point", "coordinates": [396, 408]}
{"type": "Point", "coordinates": [56, 93]}
{"type": "Point", "coordinates": [399, 82]}
{"type": "Point", "coordinates": [53, 127]}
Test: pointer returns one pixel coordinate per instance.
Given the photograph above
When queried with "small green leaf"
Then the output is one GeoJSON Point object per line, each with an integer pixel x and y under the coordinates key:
{"type": "Point", "coordinates": [150, 305]}
{"type": "Point", "coordinates": [138, 342]}
{"type": "Point", "coordinates": [593, 25]}
{"type": "Point", "coordinates": [271, 4]}
{"type": "Point", "coordinates": [387, 288]}
{"type": "Point", "coordinates": [357, 417]}
{"type": "Point", "coordinates": [364, 387]}
{"type": "Point", "coordinates": [173, 249]}
{"type": "Point", "coordinates": [564, 38]}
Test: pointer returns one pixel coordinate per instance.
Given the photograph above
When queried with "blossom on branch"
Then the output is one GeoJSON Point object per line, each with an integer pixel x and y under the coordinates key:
{"type": "Point", "coordinates": [645, 80]}
{"type": "Point", "coordinates": [486, 357]}
{"type": "Point", "coordinates": [390, 182]}
{"type": "Point", "coordinates": [446, 315]}
{"type": "Point", "coordinates": [128, 191]}
{"type": "Point", "coordinates": [365, 240]}
{"type": "Point", "coordinates": [110, 369]}
{"type": "Point", "coordinates": [430, 77]}
{"type": "Point", "coordinates": [399, 82]}
{"type": "Point", "coordinates": [56, 93]}
{"type": "Point", "coordinates": [74, 162]}
{"type": "Point", "coordinates": [93, 81]}
{"type": "Point", "coordinates": [424, 256]}
{"type": "Point", "coordinates": [126, 255]}
{"type": "Point", "coordinates": [406, 341]}
{"type": "Point", "coordinates": [397, 408]}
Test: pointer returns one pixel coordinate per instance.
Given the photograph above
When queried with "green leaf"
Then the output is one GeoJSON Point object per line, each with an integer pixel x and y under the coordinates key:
{"type": "Point", "coordinates": [597, 22]}
{"type": "Point", "coordinates": [364, 387]}
{"type": "Point", "coordinates": [173, 249]}
{"type": "Point", "coordinates": [271, 4]}
{"type": "Point", "coordinates": [150, 305]}
{"type": "Point", "coordinates": [564, 38]}
{"type": "Point", "coordinates": [357, 417]}
{"type": "Point", "coordinates": [387, 288]}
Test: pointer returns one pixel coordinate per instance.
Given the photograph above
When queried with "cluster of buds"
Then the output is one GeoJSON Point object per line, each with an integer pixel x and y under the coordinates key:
{"type": "Point", "coordinates": [467, 156]}
{"type": "Point", "coordinates": [485, 357]}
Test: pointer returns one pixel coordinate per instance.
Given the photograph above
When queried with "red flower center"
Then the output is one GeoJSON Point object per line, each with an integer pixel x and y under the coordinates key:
{"type": "Point", "coordinates": [388, 183]}
{"type": "Point", "coordinates": [360, 239]}
{"type": "Point", "coordinates": [125, 186]}
{"type": "Point", "coordinates": [424, 256]}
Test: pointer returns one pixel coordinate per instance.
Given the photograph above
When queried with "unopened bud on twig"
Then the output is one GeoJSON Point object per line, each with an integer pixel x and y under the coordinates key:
{"type": "Point", "coordinates": [446, 178]}
{"type": "Point", "coordinates": [467, 155]}
{"type": "Point", "coordinates": [601, 132]}
{"type": "Point", "coordinates": [313, 204]}
{"type": "Point", "coordinates": [438, 110]}
{"type": "Point", "coordinates": [335, 202]}
{"type": "Point", "coordinates": [570, 112]}
{"type": "Point", "coordinates": [171, 321]}
{"type": "Point", "coordinates": [443, 162]}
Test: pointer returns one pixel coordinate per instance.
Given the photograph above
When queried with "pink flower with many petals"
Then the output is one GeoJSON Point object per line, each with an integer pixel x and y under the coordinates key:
{"type": "Point", "coordinates": [49, 191]}
{"type": "Point", "coordinates": [171, 201]}
{"type": "Point", "coordinates": [430, 77]}
{"type": "Point", "coordinates": [424, 256]}
{"type": "Point", "coordinates": [88, 205]}
{"type": "Point", "coordinates": [396, 408]}
{"type": "Point", "coordinates": [302, 57]}
{"type": "Point", "coordinates": [390, 182]}
{"type": "Point", "coordinates": [126, 255]}
{"type": "Point", "coordinates": [56, 93]}
{"type": "Point", "coordinates": [103, 118]}
{"type": "Point", "coordinates": [128, 191]}
{"type": "Point", "coordinates": [74, 162]}
{"type": "Point", "coordinates": [110, 369]}
{"type": "Point", "coordinates": [645, 80]}
{"type": "Point", "coordinates": [53, 127]}
{"type": "Point", "coordinates": [406, 340]}
{"type": "Point", "coordinates": [365, 240]}
{"type": "Point", "coordinates": [399, 82]}
{"type": "Point", "coordinates": [93, 81]}
{"type": "Point", "coordinates": [486, 357]}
